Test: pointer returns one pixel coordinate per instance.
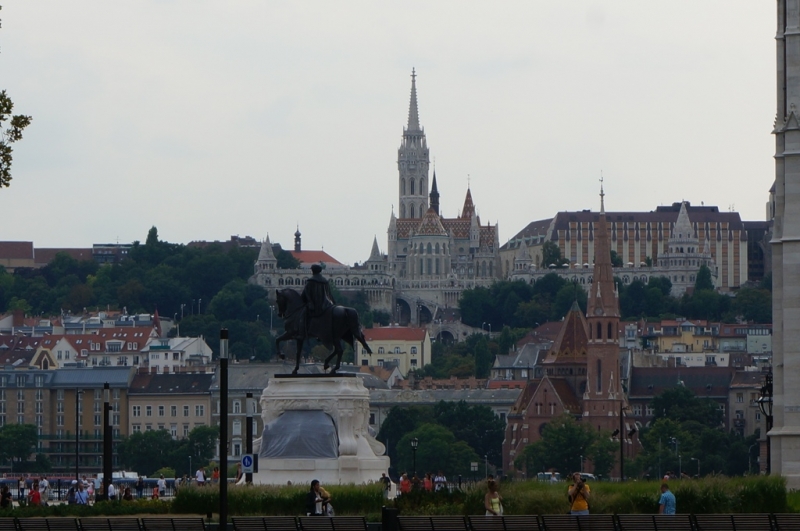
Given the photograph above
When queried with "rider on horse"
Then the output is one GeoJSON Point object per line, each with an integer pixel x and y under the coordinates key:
{"type": "Point", "coordinates": [319, 303]}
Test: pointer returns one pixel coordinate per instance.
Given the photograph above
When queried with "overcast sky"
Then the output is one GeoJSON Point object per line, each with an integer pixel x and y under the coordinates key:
{"type": "Point", "coordinates": [208, 119]}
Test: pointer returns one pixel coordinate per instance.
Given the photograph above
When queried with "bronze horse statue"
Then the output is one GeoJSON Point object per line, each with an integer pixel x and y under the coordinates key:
{"type": "Point", "coordinates": [344, 326]}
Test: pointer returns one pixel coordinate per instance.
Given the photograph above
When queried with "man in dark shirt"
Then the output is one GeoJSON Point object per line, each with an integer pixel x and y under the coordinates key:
{"type": "Point", "coordinates": [314, 500]}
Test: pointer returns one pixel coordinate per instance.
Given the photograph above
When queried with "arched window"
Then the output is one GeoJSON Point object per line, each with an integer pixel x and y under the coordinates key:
{"type": "Point", "coordinates": [237, 406]}
{"type": "Point", "coordinates": [413, 213]}
{"type": "Point", "coordinates": [437, 248]}
{"type": "Point", "coordinates": [412, 186]}
{"type": "Point", "coordinates": [599, 331]}
{"type": "Point", "coordinates": [403, 187]}
{"type": "Point", "coordinates": [610, 331]}
{"type": "Point", "coordinates": [430, 249]}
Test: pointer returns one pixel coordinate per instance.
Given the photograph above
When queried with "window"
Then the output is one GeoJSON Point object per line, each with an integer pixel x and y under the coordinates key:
{"type": "Point", "coordinates": [372, 418]}
{"type": "Point", "coordinates": [237, 406]}
{"type": "Point", "coordinates": [160, 411]}
{"type": "Point", "coordinates": [137, 411]}
{"type": "Point", "coordinates": [413, 362]}
{"type": "Point", "coordinates": [20, 407]}
{"type": "Point", "coordinates": [173, 411]}
{"type": "Point", "coordinates": [20, 419]}
{"type": "Point", "coordinates": [148, 411]}
{"type": "Point", "coordinates": [237, 428]}
{"type": "Point", "coordinates": [237, 449]}
{"type": "Point", "coordinates": [115, 419]}
{"type": "Point", "coordinates": [199, 411]}
{"type": "Point", "coordinates": [60, 394]}
{"type": "Point", "coordinates": [59, 420]}
{"type": "Point", "coordinates": [397, 350]}
{"type": "Point", "coordinates": [649, 411]}
{"type": "Point", "coordinates": [39, 407]}
{"type": "Point", "coordinates": [380, 350]}
{"type": "Point", "coordinates": [637, 410]}
{"type": "Point", "coordinates": [173, 430]}
{"type": "Point", "coordinates": [98, 420]}
{"type": "Point", "coordinates": [98, 394]}
{"type": "Point", "coordinates": [413, 350]}
{"type": "Point", "coordinates": [185, 411]}
{"type": "Point", "coordinates": [599, 386]}
{"type": "Point", "coordinates": [97, 407]}
{"type": "Point", "coordinates": [20, 381]}
{"type": "Point", "coordinates": [739, 398]}
{"type": "Point", "coordinates": [39, 380]}
{"type": "Point", "coordinates": [137, 428]}
{"type": "Point", "coordinates": [39, 394]}
{"type": "Point", "coordinates": [185, 430]}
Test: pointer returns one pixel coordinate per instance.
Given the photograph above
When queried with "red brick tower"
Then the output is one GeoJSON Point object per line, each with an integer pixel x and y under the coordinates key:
{"type": "Point", "coordinates": [603, 399]}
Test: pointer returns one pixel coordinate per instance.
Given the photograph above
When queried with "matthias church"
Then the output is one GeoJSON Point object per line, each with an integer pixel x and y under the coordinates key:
{"type": "Point", "coordinates": [429, 259]}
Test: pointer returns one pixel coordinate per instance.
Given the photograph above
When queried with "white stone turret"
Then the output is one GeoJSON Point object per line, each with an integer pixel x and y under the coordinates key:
{"type": "Point", "coordinates": [266, 258]}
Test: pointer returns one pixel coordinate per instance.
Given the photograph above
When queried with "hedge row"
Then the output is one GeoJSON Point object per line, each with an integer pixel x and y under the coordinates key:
{"type": "Point", "coordinates": [114, 508]}
{"type": "Point", "coordinates": [756, 494]}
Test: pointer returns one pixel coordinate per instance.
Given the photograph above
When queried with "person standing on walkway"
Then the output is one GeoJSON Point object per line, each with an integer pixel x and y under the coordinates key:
{"type": "Point", "coordinates": [579, 494]}
{"type": "Point", "coordinates": [492, 502]}
{"type": "Point", "coordinates": [667, 502]}
{"type": "Point", "coordinates": [21, 489]}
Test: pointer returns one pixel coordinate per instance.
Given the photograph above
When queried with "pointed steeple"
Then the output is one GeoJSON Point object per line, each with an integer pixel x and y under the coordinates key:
{"type": "Point", "coordinates": [683, 227]}
{"type": "Point", "coordinates": [434, 194]}
{"type": "Point", "coordinates": [468, 210]}
{"type": "Point", "coordinates": [603, 297]}
{"type": "Point", "coordinates": [266, 254]}
{"type": "Point", "coordinates": [413, 111]}
{"type": "Point", "coordinates": [376, 252]}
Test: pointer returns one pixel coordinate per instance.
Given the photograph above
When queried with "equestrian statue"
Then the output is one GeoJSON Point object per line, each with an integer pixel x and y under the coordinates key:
{"type": "Point", "coordinates": [314, 314]}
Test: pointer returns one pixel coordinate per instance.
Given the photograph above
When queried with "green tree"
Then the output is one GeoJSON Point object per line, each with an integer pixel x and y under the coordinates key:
{"type": "Point", "coordinates": [566, 296]}
{"type": "Point", "coordinates": [616, 260]}
{"type": "Point", "coordinates": [9, 133]}
{"type": "Point", "coordinates": [17, 441]}
{"type": "Point", "coordinates": [399, 422]}
{"type": "Point", "coordinates": [703, 281]}
{"type": "Point", "coordinates": [438, 449]}
{"type": "Point", "coordinates": [551, 255]}
{"type": "Point", "coordinates": [680, 404]}
{"type": "Point", "coordinates": [754, 305]}
{"type": "Point", "coordinates": [477, 426]}
{"type": "Point", "coordinates": [147, 451]}
{"type": "Point", "coordinates": [563, 441]}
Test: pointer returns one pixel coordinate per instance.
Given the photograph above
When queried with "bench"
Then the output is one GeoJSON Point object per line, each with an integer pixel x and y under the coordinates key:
{"type": "Point", "coordinates": [173, 524]}
{"type": "Point", "coordinates": [787, 522]}
{"type": "Point", "coordinates": [48, 524]}
{"type": "Point", "coordinates": [265, 523]}
{"type": "Point", "coordinates": [432, 523]}
{"type": "Point", "coordinates": [589, 522]}
{"type": "Point", "coordinates": [8, 524]}
{"type": "Point", "coordinates": [332, 523]}
{"type": "Point", "coordinates": [110, 524]}
{"type": "Point", "coordinates": [504, 523]}
{"type": "Point", "coordinates": [655, 522]}
{"type": "Point", "coordinates": [733, 522]}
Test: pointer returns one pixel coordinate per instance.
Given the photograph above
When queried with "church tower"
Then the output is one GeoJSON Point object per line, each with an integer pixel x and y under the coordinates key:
{"type": "Point", "coordinates": [412, 162]}
{"type": "Point", "coordinates": [784, 438]}
{"type": "Point", "coordinates": [603, 399]}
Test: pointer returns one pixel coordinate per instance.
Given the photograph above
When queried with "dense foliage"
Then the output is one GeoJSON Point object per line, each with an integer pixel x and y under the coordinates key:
{"type": "Point", "coordinates": [686, 437]}
{"type": "Point", "coordinates": [451, 436]}
{"type": "Point", "coordinates": [148, 451]}
{"type": "Point", "coordinates": [17, 443]}
{"type": "Point", "coordinates": [564, 443]}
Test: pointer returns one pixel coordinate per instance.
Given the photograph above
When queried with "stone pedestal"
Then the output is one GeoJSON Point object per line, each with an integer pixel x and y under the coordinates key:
{"type": "Point", "coordinates": [346, 401]}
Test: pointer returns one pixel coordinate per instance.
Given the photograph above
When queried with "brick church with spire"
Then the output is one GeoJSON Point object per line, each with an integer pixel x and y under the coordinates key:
{"type": "Point", "coordinates": [581, 371]}
{"type": "Point", "coordinates": [429, 259]}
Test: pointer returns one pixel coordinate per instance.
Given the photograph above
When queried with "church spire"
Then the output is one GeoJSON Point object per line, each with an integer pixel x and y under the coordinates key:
{"type": "Point", "coordinates": [413, 111]}
{"type": "Point", "coordinates": [603, 295]}
{"type": "Point", "coordinates": [434, 194]}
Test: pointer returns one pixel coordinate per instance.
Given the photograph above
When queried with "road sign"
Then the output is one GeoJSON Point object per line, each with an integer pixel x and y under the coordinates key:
{"type": "Point", "coordinates": [249, 464]}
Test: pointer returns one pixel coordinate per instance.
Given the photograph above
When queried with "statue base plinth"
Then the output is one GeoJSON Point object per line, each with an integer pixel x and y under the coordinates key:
{"type": "Point", "coordinates": [345, 400]}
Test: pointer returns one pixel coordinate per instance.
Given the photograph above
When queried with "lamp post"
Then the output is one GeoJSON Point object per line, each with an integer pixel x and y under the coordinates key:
{"type": "Point", "coordinates": [677, 444]}
{"type": "Point", "coordinates": [414, 445]}
{"type": "Point", "coordinates": [622, 409]}
{"type": "Point", "coordinates": [107, 451]}
{"type": "Point", "coordinates": [698, 464]}
{"type": "Point", "coordinates": [581, 468]}
{"type": "Point", "coordinates": [486, 463]}
{"type": "Point", "coordinates": [248, 432]}
{"type": "Point", "coordinates": [765, 405]}
{"type": "Point", "coordinates": [223, 429]}
{"type": "Point", "coordinates": [271, 310]}
{"type": "Point", "coordinates": [190, 466]}
{"type": "Point", "coordinates": [182, 307]}
{"type": "Point", "coordinates": [78, 394]}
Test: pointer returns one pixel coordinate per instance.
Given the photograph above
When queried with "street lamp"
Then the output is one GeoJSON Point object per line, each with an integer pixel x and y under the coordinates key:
{"type": "Point", "coordinates": [581, 464]}
{"type": "Point", "coordinates": [190, 466]}
{"type": "Point", "coordinates": [698, 464]}
{"type": "Point", "coordinates": [271, 309]}
{"type": "Point", "coordinates": [677, 444]}
{"type": "Point", "coordinates": [414, 445]}
{"type": "Point", "coordinates": [223, 429]}
{"type": "Point", "coordinates": [78, 394]}
{"type": "Point", "coordinates": [765, 405]}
